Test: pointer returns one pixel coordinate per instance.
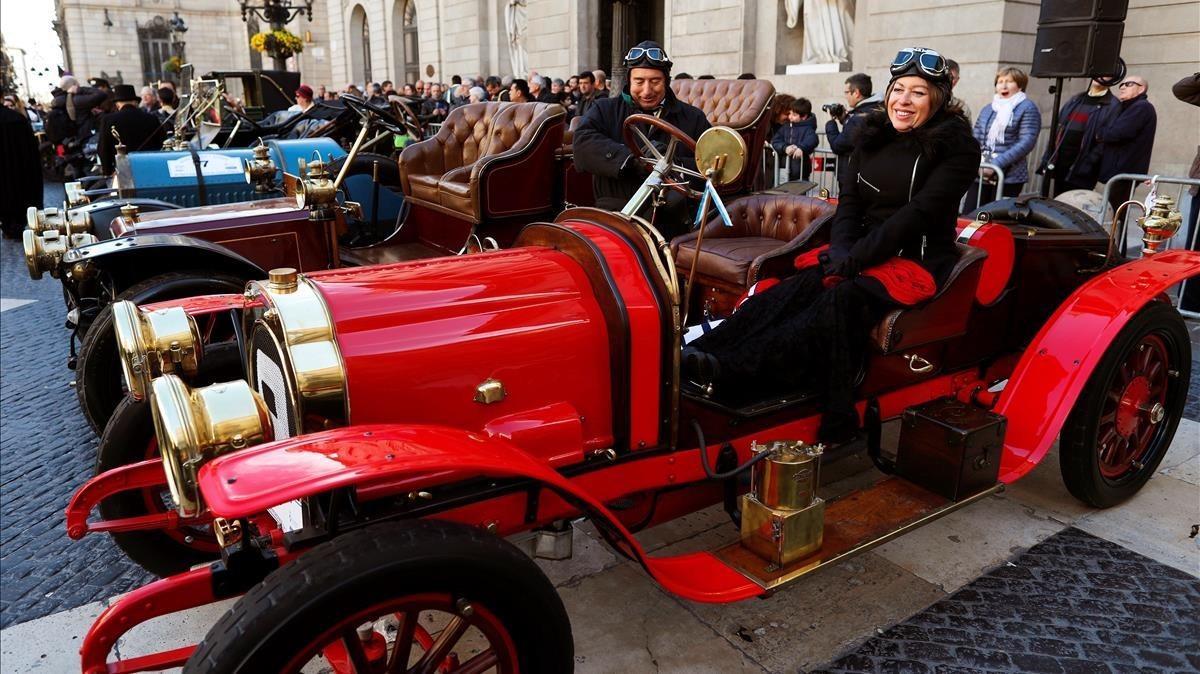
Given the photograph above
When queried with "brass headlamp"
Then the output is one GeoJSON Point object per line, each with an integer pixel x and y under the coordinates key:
{"type": "Point", "coordinates": [316, 191]}
{"type": "Point", "coordinates": [44, 250]}
{"type": "Point", "coordinates": [260, 170]}
{"type": "Point", "coordinates": [65, 220]}
{"type": "Point", "coordinates": [153, 343]}
{"type": "Point", "coordinates": [194, 426]}
{"type": "Point", "coordinates": [1160, 224]}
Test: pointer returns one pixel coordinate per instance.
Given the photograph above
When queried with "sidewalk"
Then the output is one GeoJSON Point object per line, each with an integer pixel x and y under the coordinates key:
{"type": "Point", "coordinates": [623, 623]}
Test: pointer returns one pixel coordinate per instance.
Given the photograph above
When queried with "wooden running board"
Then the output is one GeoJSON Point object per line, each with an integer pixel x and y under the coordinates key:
{"type": "Point", "coordinates": [854, 523]}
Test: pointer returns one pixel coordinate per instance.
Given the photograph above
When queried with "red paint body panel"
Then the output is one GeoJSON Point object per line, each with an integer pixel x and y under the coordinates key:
{"type": "Point", "coordinates": [1057, 364]}
{"type": "Point", "coordinates": [271, 232]}
{"type": "Point", "coordinates": [645, 333]}
{"type": "Point", "coordinates": [201, 304]}
{"type": "Point", "coordinates": [418, 338]}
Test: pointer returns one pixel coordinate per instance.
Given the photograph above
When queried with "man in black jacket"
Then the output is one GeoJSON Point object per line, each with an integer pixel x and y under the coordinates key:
{"type": "Point", "coordinates": [600, 150]}
{"type": "Point", "coordinates": [139, 130]}
{"type": "Point", "coordinates": [21, 166]}
{"type": "Point", "coordinates": [859, 101]}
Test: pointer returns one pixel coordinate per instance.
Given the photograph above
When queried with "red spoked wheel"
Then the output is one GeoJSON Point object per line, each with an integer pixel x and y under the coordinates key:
{"type": "Point", "coordinates": [1126, 417]}
{"type": "Point", "coordinates": [129, 438]}
{"type": "Point", "coordinates": [391, 637]}
{"type": "Point", "coordinates": [360, 603]}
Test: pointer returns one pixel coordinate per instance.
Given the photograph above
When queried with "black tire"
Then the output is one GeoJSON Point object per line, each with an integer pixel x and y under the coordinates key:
{"type": "Point", "coordinates": [1087, 475]}
{"type": "Point", "coordinates": [98, 383]}
{"type": "Point", "coordinates": [294, 605]}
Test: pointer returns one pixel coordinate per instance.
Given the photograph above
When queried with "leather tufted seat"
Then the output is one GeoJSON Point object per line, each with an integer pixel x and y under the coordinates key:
{"type": "Point", "coordinates": [942, 317]}
{"type": "Point", "coordinates": [488, 160]}
{"type": "Point", "coordinates": [768, 231]}
{"type": "Point", "coordinates": [742, 105]}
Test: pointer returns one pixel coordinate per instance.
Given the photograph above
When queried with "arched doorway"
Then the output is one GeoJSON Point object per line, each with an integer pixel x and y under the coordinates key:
{"type": "Point", "coordinates": [404, 36]}
{"type": "Point", "coordinates": [360, 46]}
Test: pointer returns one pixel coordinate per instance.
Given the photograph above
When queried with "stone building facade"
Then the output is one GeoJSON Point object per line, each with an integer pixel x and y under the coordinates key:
{"type": "Point", "coordinates": [129, 40]}
{"type": "Point", "coordinates": [435, 39]}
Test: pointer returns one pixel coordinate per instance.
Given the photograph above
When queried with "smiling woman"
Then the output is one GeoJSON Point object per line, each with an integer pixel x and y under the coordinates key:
{"type": "Point", "coordinates": [893, 245]}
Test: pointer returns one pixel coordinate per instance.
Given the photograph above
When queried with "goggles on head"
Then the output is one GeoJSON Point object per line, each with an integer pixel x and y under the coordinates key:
{"type": "Point", "coordinates": [653, 54]}
{"type": "Point", "coordinates": [927, 61]}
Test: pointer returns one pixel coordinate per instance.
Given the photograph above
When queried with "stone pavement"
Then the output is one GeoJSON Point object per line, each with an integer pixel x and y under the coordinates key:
{"type": "Point", "coordinates": [51, 588]}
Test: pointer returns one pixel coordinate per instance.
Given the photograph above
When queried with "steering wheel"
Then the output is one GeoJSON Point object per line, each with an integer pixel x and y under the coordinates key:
{"type": "Point", "coordinates": [383, 116]}
{"type": "Point", "coordinates": [412, 123]}
{"type": "Point", "coordinates": [241, 116]}
{"type": "Point", "coordinates": [645, 152]}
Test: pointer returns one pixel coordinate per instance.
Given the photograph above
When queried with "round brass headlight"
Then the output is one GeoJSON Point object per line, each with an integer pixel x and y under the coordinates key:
{"type": "Point", "coordinates": [194, 426]}
{"type": "Point", "coordinates": [43, 250]}
{"type": "Point", "coordinates": [153, 343]}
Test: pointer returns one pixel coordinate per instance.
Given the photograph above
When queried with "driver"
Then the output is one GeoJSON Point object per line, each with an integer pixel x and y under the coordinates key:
{"type": "Point", "coordinates": [601, 151]}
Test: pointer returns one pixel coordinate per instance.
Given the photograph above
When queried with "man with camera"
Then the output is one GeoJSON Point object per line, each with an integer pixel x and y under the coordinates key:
{"type": "Point", "coordinates": [859, 101]}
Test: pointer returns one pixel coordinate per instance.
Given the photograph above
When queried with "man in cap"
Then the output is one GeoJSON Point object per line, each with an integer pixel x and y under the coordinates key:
{"type": "Point", "coordinates": [138, 129]}
{"type": "Point", "coordinates": [599, 146]}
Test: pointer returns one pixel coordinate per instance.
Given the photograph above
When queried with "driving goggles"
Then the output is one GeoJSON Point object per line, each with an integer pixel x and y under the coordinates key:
{"type": "Point", "coordinates": [929, 61]}
{"type": "Point", "coordinates": [654, 54]}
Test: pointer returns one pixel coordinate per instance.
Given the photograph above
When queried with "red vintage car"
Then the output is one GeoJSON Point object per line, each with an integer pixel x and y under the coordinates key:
{"type": "Point", "coordinates": [397, 423]}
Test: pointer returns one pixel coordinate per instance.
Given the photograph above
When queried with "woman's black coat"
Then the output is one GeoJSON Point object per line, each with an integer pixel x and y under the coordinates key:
{"type": "Point", "coordinates": [900, 195]}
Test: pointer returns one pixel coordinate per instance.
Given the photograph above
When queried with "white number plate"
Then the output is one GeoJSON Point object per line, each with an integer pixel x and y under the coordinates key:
{"type": "Point", "coordinates": [290, 515]}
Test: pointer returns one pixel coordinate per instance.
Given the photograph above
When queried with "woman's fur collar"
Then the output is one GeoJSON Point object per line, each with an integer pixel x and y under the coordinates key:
{"type": "Point", "coordinates": [943, 130]}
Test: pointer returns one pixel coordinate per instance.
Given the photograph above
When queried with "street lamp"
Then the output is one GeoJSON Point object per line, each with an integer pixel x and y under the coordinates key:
{"type": "Point", "coordinates": [178, 28]}
{"type": "Point", "coordinates": [278, 13]}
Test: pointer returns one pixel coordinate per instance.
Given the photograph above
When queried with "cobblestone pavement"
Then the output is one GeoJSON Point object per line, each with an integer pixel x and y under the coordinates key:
{"type": "Point", "coordinates": [1072, 603]}
{"type": "Point", "coordinates": [46, 451]}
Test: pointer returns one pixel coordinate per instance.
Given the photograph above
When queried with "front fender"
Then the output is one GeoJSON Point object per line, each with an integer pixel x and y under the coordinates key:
{"type": "Point", "coordinates": [250, 481]}
{"type": "Point", "coordinates": [132, 259]}
{"type": "Point", "coordinates": [1058, 363]}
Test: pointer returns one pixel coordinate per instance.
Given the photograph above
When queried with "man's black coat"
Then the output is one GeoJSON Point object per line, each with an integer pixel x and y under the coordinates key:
{"type": "Point", "coordinates": [600, 151]}
{"type": "Point", "coordinates": [20, 164]}
{"type": "Point", "coordinates": [140, 130]}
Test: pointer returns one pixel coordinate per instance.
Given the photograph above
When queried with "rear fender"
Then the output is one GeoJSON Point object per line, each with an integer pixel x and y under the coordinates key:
{"type": "Point", "coordinates": [129, 260]}
{"type": "Point", "coordinates": [1058, 363]}
{"type": "Point", "coordinates": [250, 481]}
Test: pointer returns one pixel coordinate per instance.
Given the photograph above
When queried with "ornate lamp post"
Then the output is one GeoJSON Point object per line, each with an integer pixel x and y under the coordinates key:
{"type": "Point", "coordinates": [178, 28]}
{"type": "Point", "coordinates": [278, 13]}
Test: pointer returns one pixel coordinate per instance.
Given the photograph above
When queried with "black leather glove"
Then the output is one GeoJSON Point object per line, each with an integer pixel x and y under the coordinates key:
{"type": "Point", "coordinates": [634, 168]}
{"type": "Point", "coordinates": [844, 266]}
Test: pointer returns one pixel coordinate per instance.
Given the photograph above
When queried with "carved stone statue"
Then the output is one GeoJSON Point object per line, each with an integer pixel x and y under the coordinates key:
{"type": "Point", "coordinates": [828, 25]}
{"type": "Point", "coordinates": [516, 22]}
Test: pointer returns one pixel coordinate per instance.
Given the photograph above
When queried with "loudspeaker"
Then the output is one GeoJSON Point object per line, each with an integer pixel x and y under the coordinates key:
{"type": "Point", "coordinates": [1077, 49]}
{"type": "Point", "coordinates": [1082, 10]}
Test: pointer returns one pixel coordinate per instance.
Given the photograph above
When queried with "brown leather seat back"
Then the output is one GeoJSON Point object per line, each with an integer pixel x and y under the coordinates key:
{"type": "Point", "coordinates": [517, 124]}
{"type": "Point", "coordinates": [467, 134]}
{"type": "Point", "coordinates": [942, 317]}
{"type": "Point", "coordinates": [776, 216]}
{"type": "Point", "coordinates": [742, 105]}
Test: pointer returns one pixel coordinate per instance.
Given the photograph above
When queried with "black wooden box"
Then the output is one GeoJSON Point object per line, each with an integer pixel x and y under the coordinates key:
{"type": "Point", "coordinates": [950, 448]}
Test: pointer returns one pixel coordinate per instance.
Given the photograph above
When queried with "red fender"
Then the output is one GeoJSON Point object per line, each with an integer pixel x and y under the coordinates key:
{"type": "Point", "coordinates": [201, 304]}
{"type": "Point", "coordinates": [252, 480]}
{"type": "Point", "coordinates": [1057, 364]}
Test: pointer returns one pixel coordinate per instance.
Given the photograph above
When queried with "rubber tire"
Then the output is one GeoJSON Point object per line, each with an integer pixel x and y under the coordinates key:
{"type": "Point", "coordinates": [98, 383]}
{"type": "Point", "coordinates": [127, 434]}
{"type": "Point", "coordinates": [389, 559]}
{"type": "Point", "coordinates": [1078, 457]}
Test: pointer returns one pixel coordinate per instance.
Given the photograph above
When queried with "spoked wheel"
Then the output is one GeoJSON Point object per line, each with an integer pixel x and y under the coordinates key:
{"type": "Point", "coordinates": [129, 438]}
{"type": "Point", "coordinates": [360, 603]}
{"type": "Point", "coordinates": [1124, 421]}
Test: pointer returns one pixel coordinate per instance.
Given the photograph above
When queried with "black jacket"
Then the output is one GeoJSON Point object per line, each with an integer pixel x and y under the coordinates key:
{"type": "Point", "coordinates": [843, 142]}
{"type": "Point", "coordinates": [600, 151]}
{"type": "Point", "coordinates": [1125, 137]}
{"type": "Point", "coordinates": [902, 193]}
{"type": "Point", "coordinates": [20, 166]}
{"type": "Point", "coordinates": [140, 130]}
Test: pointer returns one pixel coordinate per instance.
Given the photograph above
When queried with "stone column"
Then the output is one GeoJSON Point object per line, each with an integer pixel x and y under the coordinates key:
{"type": "Point", "coordinates": [623, 33]}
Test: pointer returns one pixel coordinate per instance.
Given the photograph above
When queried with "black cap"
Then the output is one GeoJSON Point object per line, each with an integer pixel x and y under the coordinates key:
{"type": "Point", "coordinates": [643, 59]}
{"type": "Point", "coordinates": [125, 92]}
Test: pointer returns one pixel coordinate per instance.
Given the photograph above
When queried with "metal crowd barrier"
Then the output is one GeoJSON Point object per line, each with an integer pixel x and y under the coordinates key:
{"type": "Point", "coordinates": [432, 128]}
{"type": "Point", "coordinates": [824, 168]}
{"type": "Point", "coordinates": [1134, 181]}
{"type": "Point", "coordinates": [999, 192]}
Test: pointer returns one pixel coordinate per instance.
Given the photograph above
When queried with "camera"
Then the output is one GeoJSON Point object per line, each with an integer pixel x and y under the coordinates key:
{"type": "Point", "coordinates": [834, 109]}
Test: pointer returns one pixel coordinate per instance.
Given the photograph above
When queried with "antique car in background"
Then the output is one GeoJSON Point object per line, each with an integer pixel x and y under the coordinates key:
{"type": "Point", "coordinates": [397, 422]}
{"type": "Point", "coordinates": [489, 170]}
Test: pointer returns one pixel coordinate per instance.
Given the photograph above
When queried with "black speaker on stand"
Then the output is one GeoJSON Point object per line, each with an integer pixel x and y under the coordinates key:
{"type": "Point", "coordinates": [1078, 38]}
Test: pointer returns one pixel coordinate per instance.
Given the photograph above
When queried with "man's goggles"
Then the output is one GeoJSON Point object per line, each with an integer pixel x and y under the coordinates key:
{"type": "Point", "coordinates": [927, 60]}
{"type": "Point", "coordinates": [652, 54]}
